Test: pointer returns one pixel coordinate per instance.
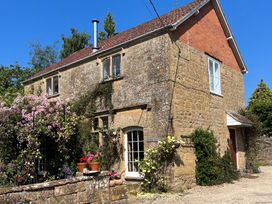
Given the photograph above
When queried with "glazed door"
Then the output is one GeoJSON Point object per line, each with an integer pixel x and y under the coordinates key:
{"type": "Point", "coordinates": [134, 147]}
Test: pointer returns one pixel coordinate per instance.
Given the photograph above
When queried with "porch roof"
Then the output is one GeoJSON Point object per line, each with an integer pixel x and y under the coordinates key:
{"type": "Point", "coordinates": [235, 119]}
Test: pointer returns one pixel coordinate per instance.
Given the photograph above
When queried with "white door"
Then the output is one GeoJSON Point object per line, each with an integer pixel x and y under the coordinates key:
{"type": "Point", "coordinates": [134, 151]}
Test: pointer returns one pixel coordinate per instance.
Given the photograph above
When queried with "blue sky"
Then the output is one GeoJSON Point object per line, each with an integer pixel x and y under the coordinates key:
{"type": "Point", "coordinates": [29, 21]}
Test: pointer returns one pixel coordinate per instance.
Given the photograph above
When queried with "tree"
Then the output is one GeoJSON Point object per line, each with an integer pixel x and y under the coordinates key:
{"type": "Point", "coordinates": [11, 79]}
{"type": "Point", "coordinates": [75, 42]}
{"type": "Point", "coordinates": [109, 27]}
{"type": "Point", "coordinates": [261, 93]}
{"type": "Point", "coordinates": [260, 105]}
{"type": "Point", "coordinates": [42, 57]}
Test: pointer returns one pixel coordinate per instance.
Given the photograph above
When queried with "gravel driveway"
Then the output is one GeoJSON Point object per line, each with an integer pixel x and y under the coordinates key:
{"type": "Point", "coordinates": [254, 189]}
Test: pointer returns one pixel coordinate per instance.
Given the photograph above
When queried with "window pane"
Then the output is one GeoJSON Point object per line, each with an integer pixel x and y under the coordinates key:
{"type": "Point", "coordinates": [49, 86]}
{"type": "Point", "coordinates": [55, 85]}
{"type": "Point", "coordinates": [130, 166]}
{"type": "Point", "coordinates": [141, 155]}
{"type": "Point", "coordinates": [211, 75]}
{"type": "Point", "coordinates": [135, 155]}
{"type": "Point", "coordinates": [135, 136]}
{"type": "Point", "coordinates": [135, 146]}
{"type": "Point", "coordinates": [129, 137]}
{"type": "Point", "coordinates": [141, 136]}
{"type": "Point", "coordinates": [217, 85]}
{"type": "Point", "coordinates": [105, 121]}
{"type": "Point", "coordinates": [116, 65]}
{"type": "Point", "coordinates": [136, 166]}
{"type": "Point", "coordinates": [141, 146]}
{"type": "Point", "coordinates": [106, 68]}
{"type": "Point", "coordinates": [129, 147]}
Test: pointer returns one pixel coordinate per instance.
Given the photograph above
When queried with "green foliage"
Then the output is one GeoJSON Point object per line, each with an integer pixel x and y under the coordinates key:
{"type": "Point", "coordinates": [252, 146]}
{"type": "Point", "coordinates": [261, 93]}
{"type": "Point", "coordinates": [109, 27]}
{"type": "Point", "coordinates": [260, 105]}
{"type": "Point", "coordinates": [32, 129]}
{"type": "Point", "coordinates": [11, 79]}
{"type": "Point", "coordinates": [154, 166]}
{"type": "Point", "coordinates": [112, 150]}
{"type": "Point", "coordinates": [8, 175]}
{"type": "Point", "coordinates": [228, 174]}
{"type": "Point", "coordinates": [75, 42]}
{"type": "Point", "coordinates": [88, 140]}
{"type": "Point", "coordinates": [87, 104]}
{"type": "Point", "coordinates": [211, 169]}
{"type": "Point", "coordinates": [42, 57]}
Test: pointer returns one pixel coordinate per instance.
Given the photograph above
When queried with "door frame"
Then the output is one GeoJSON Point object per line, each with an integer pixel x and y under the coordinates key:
{"type": "Point", "coordinates": [236, 145]}
{"type": "Point", "coordinates": [132, 175]}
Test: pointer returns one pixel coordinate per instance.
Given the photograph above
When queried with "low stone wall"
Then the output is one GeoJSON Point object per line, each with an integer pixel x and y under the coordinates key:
{"type": "Point", "coordinates": [265, 145]}
{"type": "Point", "coordinates": [75, 190]}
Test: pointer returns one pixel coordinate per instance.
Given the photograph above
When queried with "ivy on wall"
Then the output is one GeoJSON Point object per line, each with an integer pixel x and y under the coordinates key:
{"type": "Point", "coordinates": [87, 104]}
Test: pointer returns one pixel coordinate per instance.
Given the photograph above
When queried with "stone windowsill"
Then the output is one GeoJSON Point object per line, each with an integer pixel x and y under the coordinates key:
{"type": "Point", "coordinates": [53, 96]}
{"type": "Point", "coordinates": [216, 94]}
{"type": "Point", "coordinates": [128, 178]}
{"type": "Point", "coordinates": [112, 79]}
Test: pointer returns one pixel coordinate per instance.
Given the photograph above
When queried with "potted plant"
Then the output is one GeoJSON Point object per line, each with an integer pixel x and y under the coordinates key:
{"type": "Point", "coordinates": [94, 161]}
{"type": "Point", "coordinates": [82, 164]}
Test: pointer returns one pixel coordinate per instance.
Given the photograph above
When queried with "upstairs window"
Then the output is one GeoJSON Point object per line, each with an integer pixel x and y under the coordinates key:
{"type": "Point", "coordinates": [112, 67]}
{"type": "Point", "coordinates": [214, 76]}
{"type": "Point", "coordinates": [116, 63]}
{"type": "Point", "coordinates": [106, 68]}
{"type": "Point", "coordinates": [52, 86]}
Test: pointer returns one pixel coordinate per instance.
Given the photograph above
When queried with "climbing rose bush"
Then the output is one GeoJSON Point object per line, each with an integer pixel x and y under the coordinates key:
{"type": "Point", "coordinates": [153, 168]}
{"type": "Point", "coordinates": [31, 123]}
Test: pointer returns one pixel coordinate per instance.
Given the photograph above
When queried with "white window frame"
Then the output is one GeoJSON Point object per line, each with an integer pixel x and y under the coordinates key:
{"type": "Point", "coordinates": [111, 73]}
{"type": "Point", "coordinates": [130, 174]}
{"type": "Point", "coordinates": [51, 93]}
{"type": "Point", "coordinates": [216, 77]}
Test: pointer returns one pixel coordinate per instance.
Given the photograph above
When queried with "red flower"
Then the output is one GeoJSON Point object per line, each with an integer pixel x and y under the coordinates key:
{"type": "Point", "coordinates": [83, 159]}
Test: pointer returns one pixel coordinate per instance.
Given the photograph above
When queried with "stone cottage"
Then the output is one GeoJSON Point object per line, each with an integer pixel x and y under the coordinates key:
{"type": "Point", "coordinates": [170, 75]}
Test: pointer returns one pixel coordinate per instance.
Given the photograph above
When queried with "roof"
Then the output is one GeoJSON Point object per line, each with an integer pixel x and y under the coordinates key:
{"type": "Point", "coordinates": [235, 119]}
{"type": "Point", "coordinates": [170, 20]}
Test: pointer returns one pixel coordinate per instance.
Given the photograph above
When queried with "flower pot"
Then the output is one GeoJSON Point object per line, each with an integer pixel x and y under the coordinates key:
{"type": "Point", "coordinates": [81, 166]}
{"type": "Point", "coordinates": [94, 166]}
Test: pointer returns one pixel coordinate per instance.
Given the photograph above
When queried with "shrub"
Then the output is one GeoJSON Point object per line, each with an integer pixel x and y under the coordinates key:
{"type": "Point", "coordinates": [252, 145]}
{"type": "Point", "coordinates": [229, 173]}
{"type": "Point", "coordinates": [34, 129]}
{"type": "Point", "coordinates": [211, 169]}
{"type": "Point", "coordinates": [155, 164]}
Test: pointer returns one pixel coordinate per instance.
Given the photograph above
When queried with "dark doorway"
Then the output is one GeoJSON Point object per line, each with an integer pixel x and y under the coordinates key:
{"type": "Point", "coordinates": [233, 147]}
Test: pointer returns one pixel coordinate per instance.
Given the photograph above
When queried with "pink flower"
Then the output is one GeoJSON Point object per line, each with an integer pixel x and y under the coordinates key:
{"type": "Point", "coordinates": [90, 157]}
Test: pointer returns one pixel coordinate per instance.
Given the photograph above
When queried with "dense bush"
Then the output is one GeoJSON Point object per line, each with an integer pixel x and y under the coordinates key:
{"type": "Point", "coordinates": [260, 105]}
{"type": "Point", "coordinates": [211, 169]}
{"type": "Point", "coordinates": [153, 167]}
{"type": "Point", "coordinates": [252, 133]}
{"type": "Point", "coordinates": [32, 130]}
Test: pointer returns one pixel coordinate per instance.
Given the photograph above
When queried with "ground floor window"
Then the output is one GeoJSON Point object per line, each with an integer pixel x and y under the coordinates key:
{"type": "Point", "coordinates": [134, 151]}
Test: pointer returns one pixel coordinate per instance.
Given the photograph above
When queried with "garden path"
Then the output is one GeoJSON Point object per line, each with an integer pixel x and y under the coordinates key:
{"type": "Point", "coordinates": [254, 189]}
